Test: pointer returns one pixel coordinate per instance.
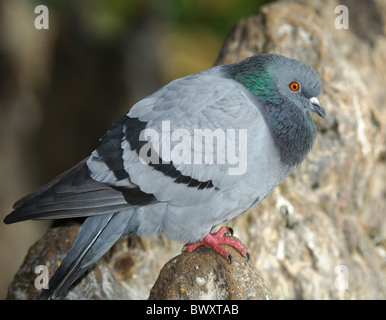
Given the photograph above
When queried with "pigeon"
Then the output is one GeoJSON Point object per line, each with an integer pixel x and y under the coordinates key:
{"type": "Point", "coordinates": [193, 155]}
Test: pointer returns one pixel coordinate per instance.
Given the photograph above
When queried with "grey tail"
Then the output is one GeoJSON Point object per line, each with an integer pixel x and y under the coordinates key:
{"type": "Point", "coordinates": [96, 236]}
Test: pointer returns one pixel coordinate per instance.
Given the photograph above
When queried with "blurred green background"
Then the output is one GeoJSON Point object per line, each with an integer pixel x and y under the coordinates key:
{"type": "Point", "coordinates": [62, 88]}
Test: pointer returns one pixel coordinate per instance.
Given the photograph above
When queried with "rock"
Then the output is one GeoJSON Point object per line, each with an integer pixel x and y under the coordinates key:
{"type": "Point", "coordinates": [49, 251]}
{"type": "Point", "coordinates": [127, 271]}
{"type": "Point", "coordinates": [205, 275]}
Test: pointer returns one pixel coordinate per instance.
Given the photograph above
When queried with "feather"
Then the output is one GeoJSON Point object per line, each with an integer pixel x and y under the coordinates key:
{"type": "Point", "coordinates": [75, 194]}
{"type": "Point", "coordinates": [96, 236]}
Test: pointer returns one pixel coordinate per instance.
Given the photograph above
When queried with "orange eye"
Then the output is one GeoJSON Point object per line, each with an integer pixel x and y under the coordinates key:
{"type": "Point", "coordinates": [294, 86]}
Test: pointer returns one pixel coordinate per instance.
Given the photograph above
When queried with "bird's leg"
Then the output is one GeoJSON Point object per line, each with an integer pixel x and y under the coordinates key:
{"type": "Point", "coordinates": [213, 241]}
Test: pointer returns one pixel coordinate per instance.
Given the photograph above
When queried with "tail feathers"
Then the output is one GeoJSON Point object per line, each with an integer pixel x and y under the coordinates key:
{"type": "Point", "coordinates": [96, 236]}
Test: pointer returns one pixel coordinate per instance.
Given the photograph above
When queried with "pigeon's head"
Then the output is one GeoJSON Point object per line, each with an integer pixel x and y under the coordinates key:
{"type": "Point", "coordinates": [281, 81]}
{"type": "Point", "coordinates": [284, 90]}
{"type": "Point", "coordinates": [297, 82]}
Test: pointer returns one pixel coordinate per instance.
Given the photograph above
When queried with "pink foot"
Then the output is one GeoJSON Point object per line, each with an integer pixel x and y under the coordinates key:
{"type": "Point", "coordinates": [213, 241]}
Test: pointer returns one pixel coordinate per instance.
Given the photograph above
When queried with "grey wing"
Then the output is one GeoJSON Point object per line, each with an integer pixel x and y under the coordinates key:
{"type": "Point", "coordinates": [186, 108]}
{"type": "Point", "coordinates": [75, 194]}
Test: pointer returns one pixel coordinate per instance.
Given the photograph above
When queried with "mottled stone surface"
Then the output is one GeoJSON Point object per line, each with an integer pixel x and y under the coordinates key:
{"type": "Point", "coordinates": [127, 271]}
{"type": "Point", "coordinates": [49, 252]}
{"type": "Point", "coordinates": [204, 275]}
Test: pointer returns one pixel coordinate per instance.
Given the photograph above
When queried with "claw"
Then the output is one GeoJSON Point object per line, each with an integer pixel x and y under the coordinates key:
{"type": "Point", "coordinates": [214, 240]}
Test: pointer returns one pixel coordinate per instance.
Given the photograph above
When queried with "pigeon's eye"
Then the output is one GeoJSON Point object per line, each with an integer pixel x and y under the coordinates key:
{"type": "Point", "coordinates": [294, 86]}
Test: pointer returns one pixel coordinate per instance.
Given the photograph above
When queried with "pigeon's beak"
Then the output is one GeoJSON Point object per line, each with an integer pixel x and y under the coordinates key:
{"type": "Point", "coordinates": [316, 107]}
